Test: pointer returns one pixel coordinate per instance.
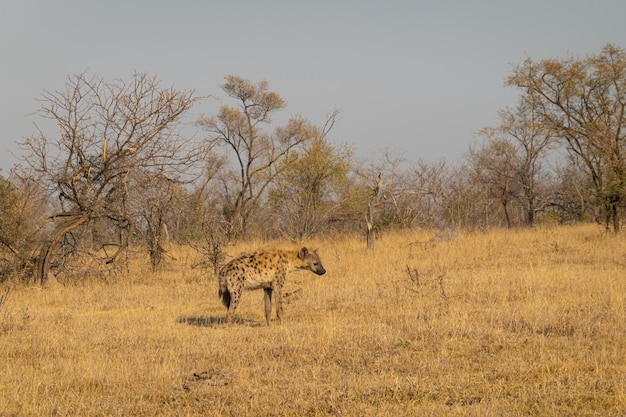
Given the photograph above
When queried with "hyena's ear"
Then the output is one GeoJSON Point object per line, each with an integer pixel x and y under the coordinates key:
{"type": "Point", "coordinates": [303, 253]}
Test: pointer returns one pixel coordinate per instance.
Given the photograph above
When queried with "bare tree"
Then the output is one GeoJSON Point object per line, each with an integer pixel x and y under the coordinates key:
{"type": "Point", "coordinates": [256, 153]}
{"type": "Point", "coordinates": [495, 165]}
{"type": "Point", "coordinates": [412, 192]}
{"type": "Point", "coordinates": [369, 214]}
{"type": "Point", "coordinates": [513, 152]}
{"type": "Point", "coordinates": [107, 132]}
{"type": "Point", "coordinates": [524, 127]}
{"type": "Point", "coordinates": [467, 202]}
{"type": "Point", "coordinates": [384, 177]}
{"type": "Point", "coordinates": [426, 192]}
{"type": "Point", "coordinates": [156, 201]}
{"type": "Point", "coordinates": [571, 192]}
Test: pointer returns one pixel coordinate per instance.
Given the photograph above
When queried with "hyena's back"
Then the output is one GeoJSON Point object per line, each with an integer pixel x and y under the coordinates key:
{"type": "Point", "coordinates": [251, 272]}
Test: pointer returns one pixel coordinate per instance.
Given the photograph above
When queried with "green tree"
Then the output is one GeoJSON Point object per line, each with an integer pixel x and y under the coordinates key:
{"type": "Point", "coordinates": [9, 230]}
{"type": "Point", "coordinates": [310, 189]}
{"type": "Point", "coordinates": [583, 102]}
{"type": "Point", "coordinates": [22, 208]}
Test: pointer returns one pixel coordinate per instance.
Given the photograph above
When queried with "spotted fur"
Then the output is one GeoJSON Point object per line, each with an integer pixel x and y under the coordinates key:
{"type": "Point", "coordinates": [267, 270]}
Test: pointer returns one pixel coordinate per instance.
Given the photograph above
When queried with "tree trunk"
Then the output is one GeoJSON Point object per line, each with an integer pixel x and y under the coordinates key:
{"type": "Point", "coordinates": [369, 216]}
{"type": "Point", "coordinates": [505, 207]}
{"type": "Point", "coordinates": [42, 263]}
{"type": "Point", "coordinates": [369, 234]}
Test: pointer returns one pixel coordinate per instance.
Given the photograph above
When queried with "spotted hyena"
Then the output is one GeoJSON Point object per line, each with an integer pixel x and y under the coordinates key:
{"type": "Point", "coordinates": [264, 269]}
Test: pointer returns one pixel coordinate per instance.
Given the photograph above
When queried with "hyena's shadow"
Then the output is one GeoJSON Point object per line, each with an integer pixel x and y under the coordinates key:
{"type": "Point", "coordinates": [213, 321]}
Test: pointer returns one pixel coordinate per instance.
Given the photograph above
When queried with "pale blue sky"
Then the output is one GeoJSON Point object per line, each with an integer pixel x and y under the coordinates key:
{"type": "Point", "coordinates": [418, 77]}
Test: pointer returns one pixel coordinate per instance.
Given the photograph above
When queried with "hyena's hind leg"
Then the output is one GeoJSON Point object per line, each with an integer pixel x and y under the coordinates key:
{"type": "Point", "coordinates": [268, 304]}
{"type": "Point", "coordinates": [278, 300]}
{"type": "Point", "coordinates": [235, 297]}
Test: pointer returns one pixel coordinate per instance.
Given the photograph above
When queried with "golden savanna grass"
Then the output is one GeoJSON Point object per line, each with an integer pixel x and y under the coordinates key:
{"type": "Point", "coordinates": [503, 323]}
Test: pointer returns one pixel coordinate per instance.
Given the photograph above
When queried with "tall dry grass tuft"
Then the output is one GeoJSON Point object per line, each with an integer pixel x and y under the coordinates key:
{"type": "Point", "coordinates": [525, 322]}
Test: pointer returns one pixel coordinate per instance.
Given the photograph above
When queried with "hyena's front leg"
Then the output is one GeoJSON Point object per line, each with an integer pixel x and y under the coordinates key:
{"type": "Point", "coordinates": [268, 304]}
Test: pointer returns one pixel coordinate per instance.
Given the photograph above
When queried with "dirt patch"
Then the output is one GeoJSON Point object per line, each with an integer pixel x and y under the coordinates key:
{"type": "Point", "coordinates": [212, 377]}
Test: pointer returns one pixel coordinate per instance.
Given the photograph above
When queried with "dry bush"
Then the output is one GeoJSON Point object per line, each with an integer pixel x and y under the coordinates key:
{"type": "Point", "coordinates": [533, 323]}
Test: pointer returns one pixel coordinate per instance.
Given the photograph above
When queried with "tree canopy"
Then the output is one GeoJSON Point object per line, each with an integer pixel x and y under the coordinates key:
{"type": "Point", "coordinates": [582, 101]}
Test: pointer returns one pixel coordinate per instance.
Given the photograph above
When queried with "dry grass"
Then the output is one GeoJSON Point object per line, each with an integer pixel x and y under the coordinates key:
{"type": "Point", "coordinates": [532, 323]}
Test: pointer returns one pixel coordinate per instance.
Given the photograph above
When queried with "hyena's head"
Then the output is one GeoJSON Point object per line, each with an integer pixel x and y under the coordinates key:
{"type": "Point", "coordinates": [311, 261]}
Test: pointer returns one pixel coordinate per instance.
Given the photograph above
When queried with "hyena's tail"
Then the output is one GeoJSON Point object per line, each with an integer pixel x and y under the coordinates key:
{"type": "Point", "coordinates": [224, 294]}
